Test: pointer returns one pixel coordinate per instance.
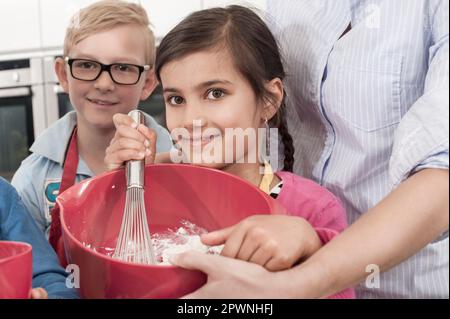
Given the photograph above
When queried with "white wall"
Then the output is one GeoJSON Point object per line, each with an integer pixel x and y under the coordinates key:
{"type": "Point", "coordinates": [56, 15]}
{"type": "Point", "coordinates": [258, 4]}
{"type": "Point", "coordinates": [19, 25]}
{"type": "Point", "coordinates": [164, 15]}
{"type": "Point", "coordinates": [33, 25]}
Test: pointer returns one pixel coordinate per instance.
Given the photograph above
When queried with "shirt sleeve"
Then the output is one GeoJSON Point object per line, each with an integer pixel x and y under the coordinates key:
{"type": "Point", "coordinates": [304, 198]}
{"type": "Point", "coordinates": [25, 186]}
{"type": "Point", "coordinates": [18, 225]}
{"type": "Point", "coordinates": [330, 222]}
{"type": "Point", "coordinates": [422, 137]}
{"type": "Point", "coordinates": [164, 141]}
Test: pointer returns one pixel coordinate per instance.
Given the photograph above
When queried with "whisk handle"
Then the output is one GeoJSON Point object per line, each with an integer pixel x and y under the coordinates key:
{"type": "Point", "coordinates": [134, 170]}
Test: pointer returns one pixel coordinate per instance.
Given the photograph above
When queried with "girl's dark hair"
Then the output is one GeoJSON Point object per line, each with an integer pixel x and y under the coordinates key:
{"type": "Point", "coordinates": [252, 46]}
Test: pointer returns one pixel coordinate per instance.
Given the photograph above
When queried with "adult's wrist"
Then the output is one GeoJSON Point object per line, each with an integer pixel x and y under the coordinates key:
{"type": "Point", "coordinates": [309, 280]}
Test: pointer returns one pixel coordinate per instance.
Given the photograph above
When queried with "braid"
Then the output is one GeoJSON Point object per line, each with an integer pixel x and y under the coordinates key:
{"type": "Point", "coordinates": [286, 138]}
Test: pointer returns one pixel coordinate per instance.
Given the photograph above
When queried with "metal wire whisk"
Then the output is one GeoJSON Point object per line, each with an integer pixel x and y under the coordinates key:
{"type": "Point", "coordinates": [134, 243]}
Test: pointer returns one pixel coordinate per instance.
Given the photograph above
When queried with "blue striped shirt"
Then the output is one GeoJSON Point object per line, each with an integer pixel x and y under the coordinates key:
{"type": "Point", "coordinates": [368, 108]}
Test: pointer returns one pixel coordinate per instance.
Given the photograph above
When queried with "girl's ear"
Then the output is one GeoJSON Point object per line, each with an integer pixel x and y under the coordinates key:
{"type": "Point", "coordinates": [61, 73]}
{"type": "Point", "coordinates": [150, 84]}
{"type": "Point", "coordinates": [276, 89]}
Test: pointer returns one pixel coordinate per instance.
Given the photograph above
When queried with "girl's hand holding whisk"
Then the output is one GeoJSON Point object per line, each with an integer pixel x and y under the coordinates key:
{"type": "Point", "coordinates": [130, 142]}
{"type": "Point", "coordinates": [276, 242]}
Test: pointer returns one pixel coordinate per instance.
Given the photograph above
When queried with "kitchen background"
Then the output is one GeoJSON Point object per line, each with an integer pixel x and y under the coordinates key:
{"type": "Point", "coordinates": [31, 36]}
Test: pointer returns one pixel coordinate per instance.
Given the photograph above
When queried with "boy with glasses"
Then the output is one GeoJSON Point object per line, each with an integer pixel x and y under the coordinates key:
{"type": "Point", "coordinates": [107, 68]}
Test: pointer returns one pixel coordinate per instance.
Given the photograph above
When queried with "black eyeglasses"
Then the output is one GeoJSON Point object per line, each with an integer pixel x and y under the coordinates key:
{"type": "Point", "coordinates": [120, 73]}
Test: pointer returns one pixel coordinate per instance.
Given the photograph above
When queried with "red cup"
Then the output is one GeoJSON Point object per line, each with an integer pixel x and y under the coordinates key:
{"type": "Point", "coordinates": [16, 270]}
{"type": "Point", "coordinates": [91, 213]}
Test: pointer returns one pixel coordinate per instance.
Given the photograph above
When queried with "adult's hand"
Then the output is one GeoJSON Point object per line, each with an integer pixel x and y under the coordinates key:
{"type": "Point", "coordinates": [231, 278]}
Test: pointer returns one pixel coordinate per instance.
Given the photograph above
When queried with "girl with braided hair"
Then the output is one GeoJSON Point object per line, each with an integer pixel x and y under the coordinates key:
{"type": "Point", "coordinates": [221, 68]}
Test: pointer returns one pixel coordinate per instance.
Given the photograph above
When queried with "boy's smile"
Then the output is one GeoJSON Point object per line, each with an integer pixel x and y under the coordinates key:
{"type": "Point", "coordinates": [102, 103]}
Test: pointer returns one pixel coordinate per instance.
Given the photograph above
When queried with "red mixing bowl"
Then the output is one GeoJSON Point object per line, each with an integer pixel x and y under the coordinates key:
{"type": "Point", "coordinates": [91, 214]}
{"type": "Point", "coordinates": [16, 270]}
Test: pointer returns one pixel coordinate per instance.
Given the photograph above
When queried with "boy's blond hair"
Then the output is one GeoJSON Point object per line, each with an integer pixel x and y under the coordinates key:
{"type": "Point", "coordinates": [105, 15]}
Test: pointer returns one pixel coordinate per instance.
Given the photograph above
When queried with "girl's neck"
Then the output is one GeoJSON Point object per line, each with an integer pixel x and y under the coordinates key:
{"type": "Point", "coordinates": [250, 172]}
{"type": "Point", "coordinates": [92, 144]}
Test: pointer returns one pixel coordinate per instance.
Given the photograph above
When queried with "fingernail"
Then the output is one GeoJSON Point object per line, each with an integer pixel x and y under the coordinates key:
{"type": "Point", "coordinates": [141, 154]}
{"type": "Point", "coordinates": [148, 152]}
{"type": "Point", "coordinates": [134, 125]}
{"type": "Point", "coordinates": [147, 143]}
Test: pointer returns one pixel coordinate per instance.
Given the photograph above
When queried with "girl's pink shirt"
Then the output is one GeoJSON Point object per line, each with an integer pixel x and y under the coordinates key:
{"type": "Point", "coordinates": [304, 198]}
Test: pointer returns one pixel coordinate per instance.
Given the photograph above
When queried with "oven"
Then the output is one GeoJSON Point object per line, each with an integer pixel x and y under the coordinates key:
{"type": "Point", "coordinates": [22, 111]}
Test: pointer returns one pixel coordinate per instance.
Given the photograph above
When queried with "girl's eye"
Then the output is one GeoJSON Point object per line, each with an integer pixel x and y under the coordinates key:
{"type": "Point", "coordinates": [215, 94]}
{"type": "Point", "coordinates": [175, 100]}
